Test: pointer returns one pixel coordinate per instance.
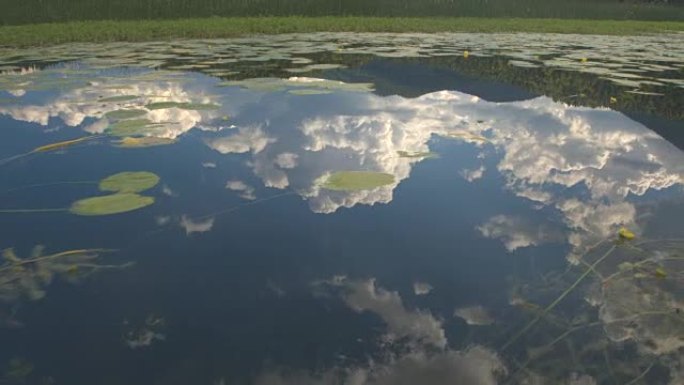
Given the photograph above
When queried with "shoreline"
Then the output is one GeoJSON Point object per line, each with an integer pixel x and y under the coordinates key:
{"type": "Point", "coordinates": [32, 35]}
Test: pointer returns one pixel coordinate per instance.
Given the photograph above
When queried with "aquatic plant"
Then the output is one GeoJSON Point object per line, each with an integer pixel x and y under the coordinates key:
{"type": "Point", "coordinates": [142, 142]}
{"type": "Point", "coordinates": [125, 114]}
{"type": "Point", "coordinates": [125, 186]}
{"type": "Point", "coordinates": [28, 277]}
{"type": "Point", "coordinates": [357, 180]}
{"type": "Point", "coordinates": [630, 303]}
{"type": "Point", "coordinates": [110, 204]}
{"type": "Point", "coordinates": [182, 106]}
{"type": "Point", "coordinates": [50, 147]}
{"type": "Point", "coordinates": [129, 182]}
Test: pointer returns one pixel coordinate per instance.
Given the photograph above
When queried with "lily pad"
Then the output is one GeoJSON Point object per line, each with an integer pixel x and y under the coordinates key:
{"type": "Point", "coordinates": [307, 91]}
{"type": "Point", "coordinates": [120, 98]}
{"type": "Point", "coordinates": [412, 154]}
{"type": "Point", "coordinates": [357, 180]}
{"type": "Point", "coordinates": [129, 182]}
{"type": "Point", "coordinates": [124, 114]}
{"type": "Point", "coordinates": [133, 127]}
{"type": "Point", "coordinates": [145, 141]}
{"type": "Point", "coordinates": [110, 204]}
{"type": "Point", "coordinates": [60, 145]}
{"type": "Point", "coordinates": [182, 106]}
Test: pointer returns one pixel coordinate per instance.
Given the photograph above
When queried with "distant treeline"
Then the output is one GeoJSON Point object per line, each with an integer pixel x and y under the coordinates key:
{"type": "Point", "coordinates": [34, 11]}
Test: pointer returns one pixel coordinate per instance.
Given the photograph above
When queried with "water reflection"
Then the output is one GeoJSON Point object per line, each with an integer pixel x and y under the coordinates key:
{"type": "Point", "coordinates": [587, 164]}
{"type": "Point", "coordinates": [572, 177]}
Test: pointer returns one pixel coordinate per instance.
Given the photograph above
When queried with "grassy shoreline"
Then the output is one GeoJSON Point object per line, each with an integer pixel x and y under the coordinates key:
{"type": "Point", "coordinates": [146, 30]}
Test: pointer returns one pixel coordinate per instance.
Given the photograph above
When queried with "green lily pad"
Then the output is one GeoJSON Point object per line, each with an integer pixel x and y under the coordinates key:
{"type": "Point", "coordinates": [120, 98]}
{"type": "Point", "coordinates": [145, 141]}
{"type": "Point", "coordinates": [110, 204]}
{"type": "Point", "coordinates": [132, 127]}
{"type": "Point", "coordinates": [357, 180]}
{"type": "Point", "coordinates": [125, 114]}
{"type": "Point", "coordinates": [307, 91]}
{"type": "Point", "coordinates": [182, 106]}
{"type": "Point", "coordinates": [411, 154]}
{"type": "Point", "coordinates": [129, 182]}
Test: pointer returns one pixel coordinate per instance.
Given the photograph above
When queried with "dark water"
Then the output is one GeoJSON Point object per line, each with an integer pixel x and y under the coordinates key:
{"type": "Point", "coordinates": [249, 267]}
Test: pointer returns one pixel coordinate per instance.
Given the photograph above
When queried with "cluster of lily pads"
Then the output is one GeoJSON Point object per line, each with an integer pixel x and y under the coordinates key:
{"type": "Point", "coordinates": [124, 189]}
{"type": "Point", "coordinates": [632, 61]}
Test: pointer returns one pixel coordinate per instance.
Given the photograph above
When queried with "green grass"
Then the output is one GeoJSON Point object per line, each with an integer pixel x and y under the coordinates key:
{"type": "Point", "coordinates": [106, 31]}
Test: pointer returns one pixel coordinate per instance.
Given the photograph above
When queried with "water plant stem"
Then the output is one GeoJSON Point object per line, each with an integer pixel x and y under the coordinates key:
{"type": "Point", "coordinates": [558, 300]}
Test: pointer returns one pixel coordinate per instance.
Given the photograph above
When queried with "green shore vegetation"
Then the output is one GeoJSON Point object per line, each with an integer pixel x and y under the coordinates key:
{"type": "Point", "coordinates": [146, 30]}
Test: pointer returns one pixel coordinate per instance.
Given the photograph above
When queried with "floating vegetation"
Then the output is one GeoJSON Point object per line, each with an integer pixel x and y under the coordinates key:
{"type": "Point", "coordinates": [467, 136]}
{"type": "Point", "coordinates": [124, 184]}
{"type": "Point", "coordinates": [132, 127]}
{"type": "Point", "coordinates": [144, 141]}
{"type": "Point", "coordinates": [110, 204]}
{"type": "Point", "coordinates": [306, 91]}
{"type": "Point", "coordinates": [129, 182]}
{"type": "Point", "coordinates": [412, 154]}
{"type": "Point", "coordinates": [124, 114]}
{"type": "Point", "coordinates": [182, 106]}
{"type": "Point", "coordinates": [50, 147]}
{"type": "Point", "coordinates": [62, 145]}
{"type": "Point", "coordinates": [309, 84]}
{"type": "Point", "coordinates": [357, 180]}
{"type": "Point", "coordinates": [29, 277]}
{"type": "Point", "coordinates": [120, 98]}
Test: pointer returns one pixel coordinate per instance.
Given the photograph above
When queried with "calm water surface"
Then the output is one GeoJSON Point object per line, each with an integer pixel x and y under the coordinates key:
{"type": "Point", "coordinates": [497, 231]}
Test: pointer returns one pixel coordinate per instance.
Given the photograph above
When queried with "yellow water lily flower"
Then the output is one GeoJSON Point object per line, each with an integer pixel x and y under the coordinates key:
{"type": "Point", "coordinates": [625, 233]}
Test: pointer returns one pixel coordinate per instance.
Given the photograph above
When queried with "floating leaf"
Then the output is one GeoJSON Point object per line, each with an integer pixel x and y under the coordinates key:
{"type": "Point", "coordinates": [410, 154]}
{"type": "Point", "coordinates": [145, 141]}
{"type": "Point", "coordinates": [129, 182]}
{"type": "Point", "coordinates": [110, 204]}
{"type": "Point", "coordinates": [120, 98]}
{"type": "Point", "coordinates": [124, 114]}
{"type": "Point", "coordinates": [624, 233]}
{"type": "Point", "coordinates": [133, 127]}
{"type": "Point", "coordinates": [357, 180]}
{"type": "Point", "coordinates": [183, 106]}
{"type": "Point", "coordinates": [309, 92]}
{"type": "Point", "coordinates": [60, 145]}
{"type": "Point", "coordinates": [660, 272]}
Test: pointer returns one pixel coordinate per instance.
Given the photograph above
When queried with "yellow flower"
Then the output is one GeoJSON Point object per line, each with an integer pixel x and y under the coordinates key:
{"type": "Point", "coordinates": [624, 233]}
{"type": "Point", "coordinates": [466, 54]}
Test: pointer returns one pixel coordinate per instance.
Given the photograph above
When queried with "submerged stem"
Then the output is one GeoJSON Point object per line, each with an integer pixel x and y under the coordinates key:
{"type": "Point", "coordinates": [46, 185]}
{"type": "Point", "coordinates": [54, 256]}
{"type": "Point", "coordinates": [642, 375]}
{"type": "Point", "coordinates": [26, 211]}
{"type": "Point", "coordinates": [558, 300]}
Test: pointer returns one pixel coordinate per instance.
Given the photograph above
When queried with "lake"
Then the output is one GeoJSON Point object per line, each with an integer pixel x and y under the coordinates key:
{"type": "Point", "coordinates": [344, 209]}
